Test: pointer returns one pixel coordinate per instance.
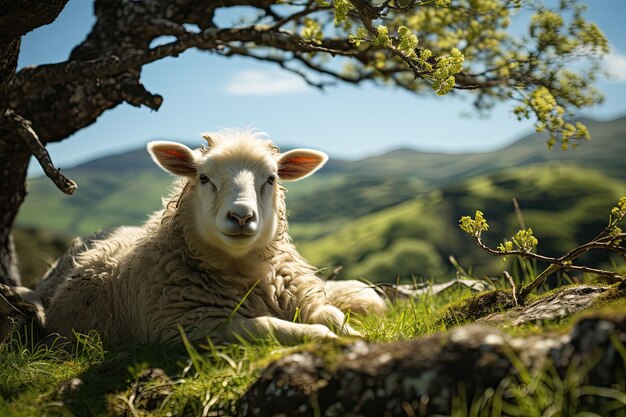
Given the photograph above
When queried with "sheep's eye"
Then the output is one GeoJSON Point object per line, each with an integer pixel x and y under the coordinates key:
{"type": "Point", "coordinates": [204, 179]}
{"type": "Point", "coordinates": [271, 180]}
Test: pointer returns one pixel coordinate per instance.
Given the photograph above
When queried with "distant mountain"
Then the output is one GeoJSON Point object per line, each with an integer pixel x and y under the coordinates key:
{"type": "Point", "coordinates": [394, 213]}
{"type": "Point", "coordinates": [352, 189]}
{"type": "Point", "coordinates": [437, 168]}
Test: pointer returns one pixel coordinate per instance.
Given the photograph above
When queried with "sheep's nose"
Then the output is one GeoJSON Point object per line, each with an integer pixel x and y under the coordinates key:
{"type": "Point", "coordinates": [241, 217]}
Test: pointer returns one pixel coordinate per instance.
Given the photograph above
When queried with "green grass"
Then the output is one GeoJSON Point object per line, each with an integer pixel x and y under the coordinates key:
{"type": "Point", "coordinates": [30, 373]}
{"type": "Point", "coordinates": [209, 380]}
{"type": "Point", "coordinates": [547, 393]}
{"type": "Point", "coordinates": [204, 378]}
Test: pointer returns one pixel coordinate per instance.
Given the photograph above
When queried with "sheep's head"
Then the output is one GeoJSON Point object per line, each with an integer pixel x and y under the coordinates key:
{"type": "Point", "coordinates": [235, 185]}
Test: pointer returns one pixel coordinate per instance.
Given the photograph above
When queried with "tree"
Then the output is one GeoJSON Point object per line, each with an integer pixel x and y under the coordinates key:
{"type": "Point", "coordinates": [422, 46]}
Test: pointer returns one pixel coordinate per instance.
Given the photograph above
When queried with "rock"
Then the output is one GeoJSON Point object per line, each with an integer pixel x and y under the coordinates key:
{"type": "Point", "coordinates": [152, 387]}
{"type": "Point", "coordinates": [477, 306]}
{"type": "Point", "coordinates": [417, 290]}
{"type": "Point", "coordinates": [561, 303]}
{"type": "Point", "coordinates": [424, 376]}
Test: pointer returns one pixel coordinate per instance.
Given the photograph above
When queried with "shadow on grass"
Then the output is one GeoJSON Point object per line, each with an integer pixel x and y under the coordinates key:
{"type": "Point", "coordinates": [113, 386]}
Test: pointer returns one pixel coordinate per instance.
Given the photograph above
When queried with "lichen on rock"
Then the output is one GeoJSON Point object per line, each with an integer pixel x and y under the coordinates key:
{"type": "Point", "coordinates": [425, 376]}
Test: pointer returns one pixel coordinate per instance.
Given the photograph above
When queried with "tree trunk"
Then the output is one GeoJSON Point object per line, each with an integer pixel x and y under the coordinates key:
{"type": "Point", "coordinates": [12, 176]}
{"type": "Point", "coordinates": [14, 163]}
{"type": "Point", "coordinates": [16, 19]}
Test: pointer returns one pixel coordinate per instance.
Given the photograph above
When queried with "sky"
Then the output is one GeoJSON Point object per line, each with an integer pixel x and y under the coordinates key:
{"type": "Point", "coordinates": [205, 92]}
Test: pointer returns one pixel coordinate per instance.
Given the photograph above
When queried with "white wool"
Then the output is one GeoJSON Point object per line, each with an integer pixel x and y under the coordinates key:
{"type": "Point", "coordinates": [139, 285]}
{"type": "Point", "coordinates": [356, 296]}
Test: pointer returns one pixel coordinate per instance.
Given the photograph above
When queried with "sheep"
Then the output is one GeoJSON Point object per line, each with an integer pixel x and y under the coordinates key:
{"type": "Point", "coordinates": [216, 261]}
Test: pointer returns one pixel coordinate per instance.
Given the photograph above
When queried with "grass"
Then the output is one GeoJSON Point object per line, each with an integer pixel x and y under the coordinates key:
{"type": "Point", "coordinates": [83, 379]}
{"type": "Point", "coordinates": [28, 372]}
{"type": "Point", "coordinates": [546, 393]}
{"type": "Point", "coordinates": [203, 380]}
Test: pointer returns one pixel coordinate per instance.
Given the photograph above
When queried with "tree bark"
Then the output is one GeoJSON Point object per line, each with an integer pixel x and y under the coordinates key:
{"type": "Point", "coordinates": [16, 19]}
{"type": "Point", "coordinates": [19, 17]}
{"type": "Point", "coordinates": [14, 163]}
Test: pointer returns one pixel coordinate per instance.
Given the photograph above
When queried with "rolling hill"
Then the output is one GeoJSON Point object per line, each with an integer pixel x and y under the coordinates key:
{"type": "Point", "coordinates": [565, 206]}
{"type": "Point", "coordinates": [388, 215]}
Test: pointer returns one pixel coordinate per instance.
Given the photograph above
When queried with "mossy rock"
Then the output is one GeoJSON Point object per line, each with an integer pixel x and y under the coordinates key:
{"type": "Point", "coordinates": [614, 293]}
{"type": "Point", "coordinates": [476, 306]}
{"type": "Point", "coordinates": [441, 373]}
{"type": "Point", "coordinates": [499, 308]}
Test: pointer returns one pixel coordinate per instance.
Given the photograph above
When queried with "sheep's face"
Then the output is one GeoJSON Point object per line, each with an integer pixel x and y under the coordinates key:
{"type": "Point", "coordinates": [236, 199]}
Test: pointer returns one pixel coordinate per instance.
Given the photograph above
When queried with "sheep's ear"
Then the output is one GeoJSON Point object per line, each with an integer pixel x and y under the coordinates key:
{"type": "Point", "coordinates": [173, 157]}
{"type": "Point", "coordinates": [300, 163]}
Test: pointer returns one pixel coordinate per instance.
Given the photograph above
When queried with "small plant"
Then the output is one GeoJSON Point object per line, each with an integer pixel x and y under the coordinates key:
{"type": "Point", "coordinates": [524, 244]}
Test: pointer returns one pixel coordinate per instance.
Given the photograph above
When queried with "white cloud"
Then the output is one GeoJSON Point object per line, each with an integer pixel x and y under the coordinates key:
{"type": "Point", "coordinates": [615, 65]}
{"type": "Point", "coordinates": [264, 83]}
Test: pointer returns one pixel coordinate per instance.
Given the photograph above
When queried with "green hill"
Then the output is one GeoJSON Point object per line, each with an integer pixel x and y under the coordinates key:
{"type": "Point", "coordinates": [37, 249]}
{"type": "Point", "coordinates": [383, 216]}
{"type": "Point", "coordinates": [565, 206]}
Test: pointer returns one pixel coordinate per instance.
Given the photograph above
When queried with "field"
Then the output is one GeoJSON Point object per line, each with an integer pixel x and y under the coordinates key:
{"type": "Point", "coordinates": [84, 379]}
{"type": "Point", "coordinates": [388, 218]}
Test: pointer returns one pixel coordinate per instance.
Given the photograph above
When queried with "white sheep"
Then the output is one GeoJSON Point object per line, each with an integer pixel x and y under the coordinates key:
{"type": "Point", "coordinates": [216, 260]}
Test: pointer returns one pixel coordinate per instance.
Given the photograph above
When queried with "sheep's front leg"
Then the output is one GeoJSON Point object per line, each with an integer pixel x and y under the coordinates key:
{"type": "Point", "coordinates": [285, 332]}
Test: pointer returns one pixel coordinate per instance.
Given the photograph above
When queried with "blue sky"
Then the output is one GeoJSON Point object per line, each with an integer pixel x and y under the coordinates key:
{"type": "Point", "coordinates": [204, 92]}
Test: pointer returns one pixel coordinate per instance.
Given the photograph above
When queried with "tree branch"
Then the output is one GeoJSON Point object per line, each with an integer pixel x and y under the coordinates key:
{"type": "Point", "coordinates": [38, 150]}
{"type": "Point", "coordinates": [280, 61]}
{"type": "Point", "coordinates": [20, 17]}
{"type": "Point", "coordinates": [556, 264]}
{"type": "Point", "coordinates": [31, 80]}
{"type": "Point", "coordinates": [135, 94]}
{"type": "Point", "coordinates": [519, 253]}
{"type": "Point", "coordinates": [310, 8]}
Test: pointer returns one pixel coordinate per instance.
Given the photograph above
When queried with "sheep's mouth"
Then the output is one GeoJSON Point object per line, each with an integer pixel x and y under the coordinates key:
{"type": "Point", "coordinates": [237, 233]}
{"type": "Point", "coordinates": [241, 234]}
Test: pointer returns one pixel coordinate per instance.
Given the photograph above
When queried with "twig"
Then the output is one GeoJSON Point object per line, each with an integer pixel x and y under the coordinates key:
{"type": "Point", "coordinates": [565, 262]}
{"type": "Point", "coordinates": [590, 270]}
{"type": "Point", "coordinates": [280, 61]}
{"type": "Point", "coordinates": [539, 280]}
{"type": "Point", "coordinates": [521, 253]}
{"type": "Point", "coordinates": [569, 256]}
{"type": "Point", "coordinates": [510, 279]}
{"type": "Point", "coordinates": [518, 212]}
{"type": "Point", "coordinates": [310, 8]}
{"type": "Point", "coordinates": [333, 275]}
{"type": "Point", "coordinates": [607, 240]}
{"type": "Point", "coordinates": [39, 151]}
{"type": "Point", "coordinates": [129, 403]}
